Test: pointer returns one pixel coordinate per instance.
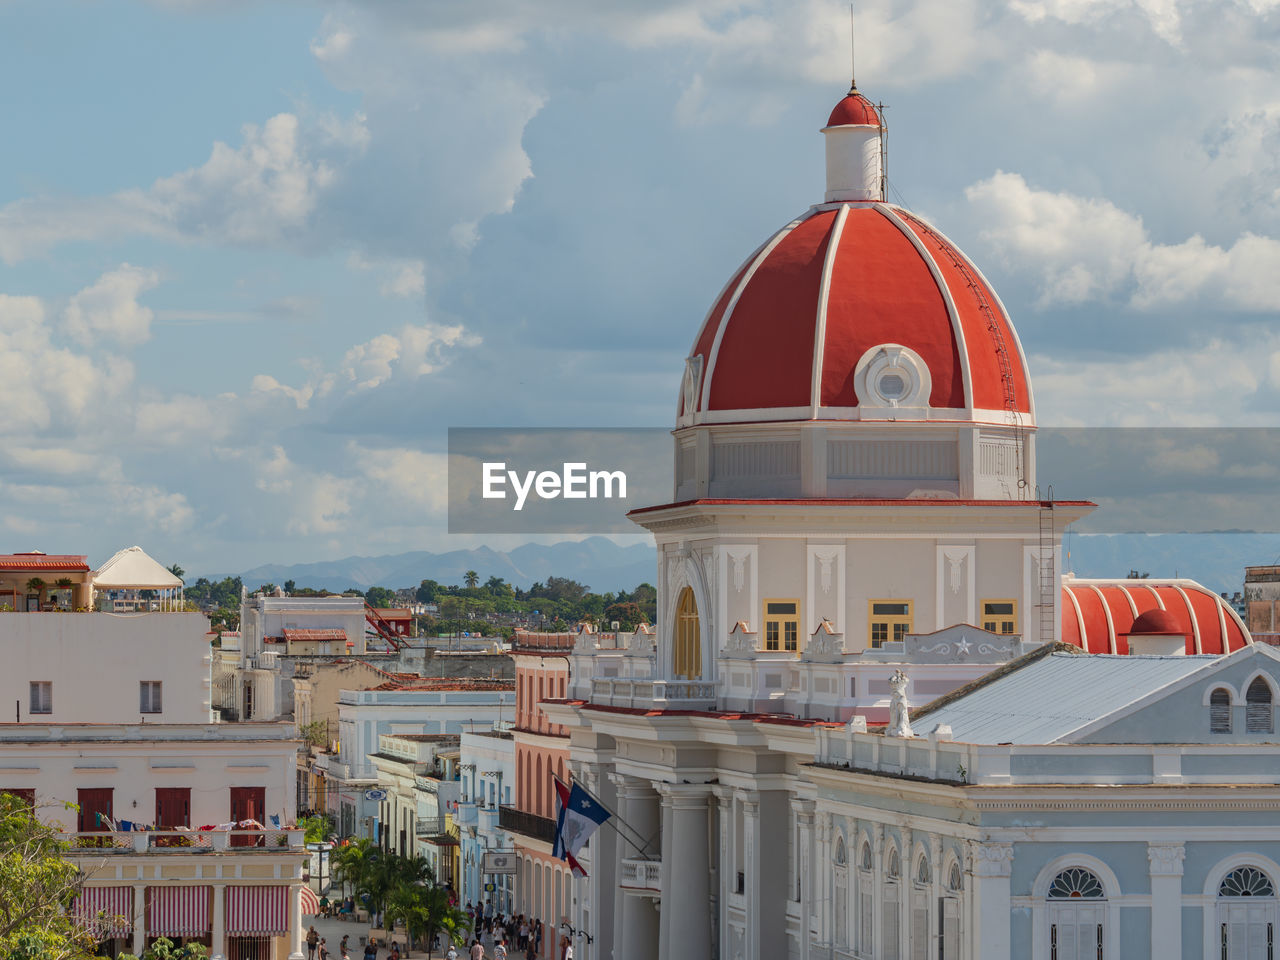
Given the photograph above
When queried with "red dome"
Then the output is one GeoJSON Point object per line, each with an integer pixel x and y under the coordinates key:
{"type": "Point", "coordinates": [1099, 616]}
{"type": "Point", "coordinates": [1156, 623]}
{"type": "Point", "coordinates": [785, 338]}
{"type": "Point", "coordinates": [854, 109]}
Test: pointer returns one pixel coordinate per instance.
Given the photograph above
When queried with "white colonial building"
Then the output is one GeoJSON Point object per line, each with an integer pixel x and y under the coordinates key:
{"type": "Point", "coordinates": [855, 508]}
{"type": "Point", "coordinates": [180, 825]}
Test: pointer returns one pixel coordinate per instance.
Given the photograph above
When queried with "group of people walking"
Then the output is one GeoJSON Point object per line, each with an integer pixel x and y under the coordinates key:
{"type": "Point", "coordinates": [498, 937]}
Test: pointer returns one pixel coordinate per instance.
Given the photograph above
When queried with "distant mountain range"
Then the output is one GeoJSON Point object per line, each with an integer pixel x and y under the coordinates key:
{"type": "Point", "coordinates": [598, 562]}
{"type": "Point", "coordinates": [1215, 559]}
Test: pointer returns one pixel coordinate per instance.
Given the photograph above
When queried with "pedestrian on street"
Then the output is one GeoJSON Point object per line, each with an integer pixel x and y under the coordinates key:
{"type": "Point", "coordinates": [324, 951]}
{"type": "Point", "coordinates": [477, 951]}
{"type": "Point", "coordinates": [313, 939]}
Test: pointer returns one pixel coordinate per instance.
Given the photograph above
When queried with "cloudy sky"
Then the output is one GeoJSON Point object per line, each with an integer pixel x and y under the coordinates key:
{"type": "Point", "coordinates": [256, 257]}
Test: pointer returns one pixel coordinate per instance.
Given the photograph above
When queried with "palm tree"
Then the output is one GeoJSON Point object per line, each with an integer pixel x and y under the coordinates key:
{"type": "Point", "coordinates": [177, 571]}
{"type": "Point", "coordinates": [37, 586]}
{"type": "Point", "coordinates": [425, 910]}
{"type": "Point", "coordinates": [471, 578]}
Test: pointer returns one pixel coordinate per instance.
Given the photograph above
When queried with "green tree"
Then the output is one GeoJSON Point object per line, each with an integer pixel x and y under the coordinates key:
{"type": "Point", "coordinates": [628, 614]}
{"type": "Point", "coordinates": [290, 586]}
{"type": "Point", "coordinates": [425, 911]}
{"type": "Point", "coordinates": [166, 949]}
{"type": "Point", "coordinates": [380, 597]}
{"type": "Point", "coordinates": [315, 733]}
{"type": "Point", "coordinates": [177, 571]}
{"type": "Point", "coordinates": [37, 886]}
{"type": "Point", "coordinates": [318, 828]}
{"type": "Point", "coordinates": [427, 591]}
{"type": "Point", "coordinates": [37, 586]}
{"type": "Point", "coordinates": [471, 578]}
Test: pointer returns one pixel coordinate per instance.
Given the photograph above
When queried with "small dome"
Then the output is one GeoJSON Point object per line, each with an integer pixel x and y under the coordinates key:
{"type": "Point", "coordinates": [854, 109]}
{"type": "Point", "coordinates": [1156, 622]}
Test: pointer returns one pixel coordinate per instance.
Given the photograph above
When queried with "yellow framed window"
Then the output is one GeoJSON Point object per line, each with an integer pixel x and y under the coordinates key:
{"type": "Point", "coordinates": [888, 620]}
{"type": "Point", "coordinates": [1000, 616]}
{"type": "Point", "coordinates": [688, 646]}
{"type": "Point", "coordinates": [782, 625]}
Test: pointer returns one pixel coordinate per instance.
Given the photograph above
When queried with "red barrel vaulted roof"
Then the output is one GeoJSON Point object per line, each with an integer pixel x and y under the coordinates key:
{"type": "Point", "coordinates": [784, 337]}
{"type": "Point", "coordinates": [1099, 615]}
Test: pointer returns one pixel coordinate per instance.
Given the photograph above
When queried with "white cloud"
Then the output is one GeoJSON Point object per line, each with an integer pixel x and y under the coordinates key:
{"type": "Point", "coordinates": [397, 277]}
{"type": "Point", "coordinates": [1084, 249]}
{"type": "Point", "coordinates": [1208, 384]}
{"type": "Point", "coordinates": [316, 501]}
{"type": "Point", "coordinates": [415, 352]}
{"type": "Point", "coordinates": [262, 192]}
{"type": "Point", "coordinates": [412, 478]}
{"type": "Point", "coordinates": [109, 308]}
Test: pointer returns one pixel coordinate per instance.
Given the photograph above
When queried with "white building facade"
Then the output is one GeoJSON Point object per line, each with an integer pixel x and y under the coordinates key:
{"type": "Point", "coordinates": [181, 826]}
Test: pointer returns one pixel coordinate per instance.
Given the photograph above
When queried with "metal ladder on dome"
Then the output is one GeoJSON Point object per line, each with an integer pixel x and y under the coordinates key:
{"type": "Point", "coordinates": [994, 331]}
{"type": "Point", "coordinates": [1046, 567]}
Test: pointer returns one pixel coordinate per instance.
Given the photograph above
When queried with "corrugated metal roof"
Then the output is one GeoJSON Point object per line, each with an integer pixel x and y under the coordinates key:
{"type": "Point", "coordinates": [1047, 699]}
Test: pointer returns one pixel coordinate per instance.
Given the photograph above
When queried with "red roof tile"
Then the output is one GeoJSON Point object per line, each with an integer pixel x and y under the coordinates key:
{"type": "Point", "coordinates": [293, 635]}
{"type": "Point", "coordinates": [43, 561]}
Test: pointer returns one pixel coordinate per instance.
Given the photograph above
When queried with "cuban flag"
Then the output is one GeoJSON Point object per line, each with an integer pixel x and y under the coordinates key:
{"type": "Point", "coordinates": [579, 817]}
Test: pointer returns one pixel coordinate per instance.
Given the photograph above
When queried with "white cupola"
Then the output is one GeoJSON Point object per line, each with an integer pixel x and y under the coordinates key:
{"type": "Point", "coordinates": [855, 150]}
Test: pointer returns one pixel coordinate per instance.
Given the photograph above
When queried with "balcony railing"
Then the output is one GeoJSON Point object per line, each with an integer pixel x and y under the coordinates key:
{"type": "Point", "coordinates": [430, 826]}
{"type": "Point", "coordinates": [664, 694]}
{"type": "Point", "coordinates": [641, 875]}
{"type": "Point", "coordinates": [529, 824]}
{"type": "Point", "coordinates": [183, 841]}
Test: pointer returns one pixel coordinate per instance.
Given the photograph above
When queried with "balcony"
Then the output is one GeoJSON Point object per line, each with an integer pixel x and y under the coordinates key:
{"type": "Point", "coordinates": [641, 875]}
{"type": "Point", "coordinates": [527, 824]}
{"type": "Point", "coordinates": [106, 843]}
{"type": "Point", "coordinates": [467, 815]}
{"type": "Point", "coordinates": [654, 694]}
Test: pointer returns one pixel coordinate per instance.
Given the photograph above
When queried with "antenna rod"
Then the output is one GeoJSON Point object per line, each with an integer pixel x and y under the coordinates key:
{"type": "Point", "coordinates": [853, 73]}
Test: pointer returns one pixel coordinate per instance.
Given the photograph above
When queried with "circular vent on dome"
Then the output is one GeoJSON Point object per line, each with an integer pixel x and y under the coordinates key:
{"type": "Point", "coordinates": [895, 377]}
{"type": "Point", "coordinates": [891, 386]}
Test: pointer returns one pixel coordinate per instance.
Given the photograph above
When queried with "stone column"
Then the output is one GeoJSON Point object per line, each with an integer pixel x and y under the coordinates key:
{"type": "Point", "coordinates": [635, 931]}
{"type": "Point", "coordinates": [1166, 898]}
{"type": "Point", "coordinates": [295, 922]}
{"type": "Point", "coordinates": [992, 867]}
{"type": "Point", "coordinates": [686, 877]}
{"type": "Point", "coordinates": [603, 879]}
{"type": "Point", "coordinates": [725, 874]}
{"type": "Point", "coordinates": [802, 810]}
{"type": "Point", "coordinates": [219, 921]}
{"type": "Point", "coordinates": [139, 919]}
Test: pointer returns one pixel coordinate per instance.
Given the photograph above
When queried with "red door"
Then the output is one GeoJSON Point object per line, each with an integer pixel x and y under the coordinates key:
{"type": "Point", "coordinates": [248, 803]}
{"type": "Point", "coordinates": [95, 809]}
{"type": "Point", "coordinates": [173, 807]}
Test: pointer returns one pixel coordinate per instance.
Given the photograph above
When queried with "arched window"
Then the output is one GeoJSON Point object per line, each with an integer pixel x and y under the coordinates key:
{"type": "Point", "coordinates": [1246, 914]}
{"type": "Point", "coordinates": [840, 892]}
{"type": "Point", "coordinates": [1075, 884]}
{"type": "Point", "coordinates": [922, 871]}
{"type": "Point", "coordinates": [1076, 915]}
{"type": "Point", "coordinates": [1220, 711]}
{"type": "Point", "coordinates": [687, 654]}
{"type": "Point", "coordinates": [1246, 882]}
{"type": "Point", "coordinates": [949, 949]}
{"type": "Point", "coordinates": [920, 910]}
{"type": "Point", "coordinates": [1257, 699]}
{"type": "Point", "coordinates": [866, 902]}
{"type": "Point", "coordinates": [890, 905]}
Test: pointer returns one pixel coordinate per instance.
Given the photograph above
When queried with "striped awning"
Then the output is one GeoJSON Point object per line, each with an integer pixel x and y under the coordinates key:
{"type": "Point", "coordinates": [178, 911]}
{"type": "Point", "coordinates": [310, 903]}
{"type": "Point", "coordinates": [106, 911]}
{"type": "Point", "coordinates": [257, 910]}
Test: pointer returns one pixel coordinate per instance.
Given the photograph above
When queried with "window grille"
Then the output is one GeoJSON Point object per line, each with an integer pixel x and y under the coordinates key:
{"type": "Point", "coordinates": [1246, 882]}
{"type": "Point", "coordinates": [1075, 883]}
{"type": "Point", "coordinates": [1257, 718]}
{"type": "Point", "coordinates": [1220, 711]}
